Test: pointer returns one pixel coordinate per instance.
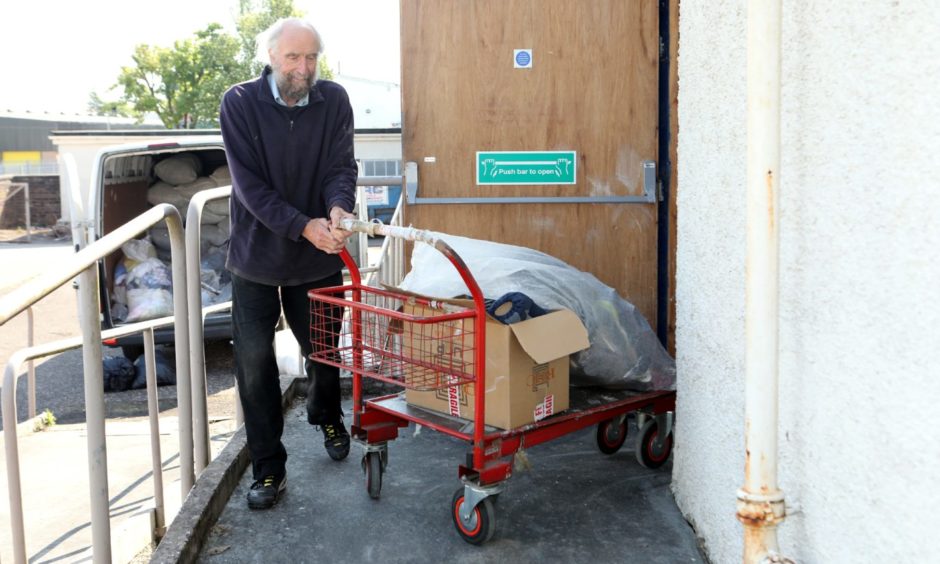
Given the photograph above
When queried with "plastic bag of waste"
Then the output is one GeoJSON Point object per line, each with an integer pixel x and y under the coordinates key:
{"type": "Point", "coordinates": [624, 351]}
{"type": "Point", "coordinates": [149, 291]}
{"type": "Point", "coordinates": [119, 374]}
{"type": "Point", "coordinates": [166, 370]}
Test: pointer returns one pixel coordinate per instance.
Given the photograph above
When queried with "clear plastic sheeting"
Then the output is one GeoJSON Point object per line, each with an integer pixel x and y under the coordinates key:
{"type": "Point", "coordinates": [624, 352]}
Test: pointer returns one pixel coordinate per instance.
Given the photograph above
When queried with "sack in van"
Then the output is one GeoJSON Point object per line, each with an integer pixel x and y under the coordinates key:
{"type": "Point", "coordinates": [189, 189]}
{"type": "Point", "coordinates": [222, 176]}
{"type": "Point", "coordinates": [160, 234]}
{"type": "Point", "coordinates": [163, 193]}
{"type": "Point", "coordinates": [178, 169]}
{"type": "Point", "coordinates": [218, 207]}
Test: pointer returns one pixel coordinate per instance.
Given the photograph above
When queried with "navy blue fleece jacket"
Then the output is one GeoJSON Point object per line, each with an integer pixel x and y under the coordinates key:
{"type": "Point", "coordinates": [288, 165]}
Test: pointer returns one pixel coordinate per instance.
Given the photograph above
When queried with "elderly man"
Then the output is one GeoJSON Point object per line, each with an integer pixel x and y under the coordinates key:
{"type": "Point", "coordinates": [289, 143]}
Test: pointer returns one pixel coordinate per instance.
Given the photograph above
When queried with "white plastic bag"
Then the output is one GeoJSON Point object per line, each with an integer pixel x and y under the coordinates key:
{"type": "Point", "coordinates": [138, 250]}
{"type": "Point", "coordinates": [624, 352]}
{"type": "Point", "coordinates": [149, 291]}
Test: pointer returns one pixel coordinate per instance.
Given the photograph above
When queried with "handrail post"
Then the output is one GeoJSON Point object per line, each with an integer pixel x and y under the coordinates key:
{"type": "Point", "coordinates": [11, 448]}
{"type": "Point", "coordinates": [153, 414]}
{"type": "Point", "coordinates": [182, 344]}
{"type": "Point", "coordinates": [197, 353]}
{"type": "Point", "coordinates": [30, 366]}
{"type": "Point", "coordinates": [88, 310]}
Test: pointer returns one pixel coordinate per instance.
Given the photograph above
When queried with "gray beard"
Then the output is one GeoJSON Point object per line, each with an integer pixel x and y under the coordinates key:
{"type": "Point", "coordinates": [290, 90]}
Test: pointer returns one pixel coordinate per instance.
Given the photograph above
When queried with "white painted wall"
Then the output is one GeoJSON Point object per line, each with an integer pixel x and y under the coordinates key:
{"type": "Point", "coordinates": [859, 274]}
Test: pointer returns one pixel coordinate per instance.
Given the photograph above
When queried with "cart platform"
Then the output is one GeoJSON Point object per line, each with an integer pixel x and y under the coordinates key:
{"type": "Point", "coordinates": [381, 334]}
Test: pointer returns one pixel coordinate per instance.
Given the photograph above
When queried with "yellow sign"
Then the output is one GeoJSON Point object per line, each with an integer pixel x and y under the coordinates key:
{"type": "Point", "coordinates": [22, 157]}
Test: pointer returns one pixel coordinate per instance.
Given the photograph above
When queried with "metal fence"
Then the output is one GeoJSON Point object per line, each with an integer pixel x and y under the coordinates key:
{"type": "Point", "coordinates": [85, 265]}
{"type": "Point", "coordinates": [28, 169]}
{"type": "Point", "coordinates": [190, 354]}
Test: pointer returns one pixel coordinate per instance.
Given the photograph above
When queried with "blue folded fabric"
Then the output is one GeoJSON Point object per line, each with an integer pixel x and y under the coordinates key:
{"type": "Point", "coordinates": [513, 307]}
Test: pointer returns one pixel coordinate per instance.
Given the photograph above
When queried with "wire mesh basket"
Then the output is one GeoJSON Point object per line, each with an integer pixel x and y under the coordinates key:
{"type": "Point", "coordinates": [394, 337]}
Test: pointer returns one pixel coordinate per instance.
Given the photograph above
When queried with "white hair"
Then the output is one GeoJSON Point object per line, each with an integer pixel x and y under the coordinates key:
{"type": "Point", "coordinates": [267, 39]}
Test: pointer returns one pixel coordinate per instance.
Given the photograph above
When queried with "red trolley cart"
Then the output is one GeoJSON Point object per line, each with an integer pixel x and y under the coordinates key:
{"type": "Point", "coordinates": [420, 344]}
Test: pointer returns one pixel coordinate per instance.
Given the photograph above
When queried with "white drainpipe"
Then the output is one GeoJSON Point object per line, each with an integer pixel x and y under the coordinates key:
{"type": "Point", "coordinates": [760, 503]}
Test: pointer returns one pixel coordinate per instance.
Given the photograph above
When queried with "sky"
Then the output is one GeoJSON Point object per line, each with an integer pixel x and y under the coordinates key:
{"type": "Point", "coordinates": [54, 53]}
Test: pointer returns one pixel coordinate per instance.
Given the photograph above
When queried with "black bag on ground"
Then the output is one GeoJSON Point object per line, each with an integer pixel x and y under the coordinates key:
{"type": "Point", "coordinates": [166, 371]}
{"type": "Point", "coordinates": [119, 374]}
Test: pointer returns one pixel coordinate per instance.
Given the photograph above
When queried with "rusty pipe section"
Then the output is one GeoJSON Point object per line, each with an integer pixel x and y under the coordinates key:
{"type": "Point", "coordinates": [760, 503]}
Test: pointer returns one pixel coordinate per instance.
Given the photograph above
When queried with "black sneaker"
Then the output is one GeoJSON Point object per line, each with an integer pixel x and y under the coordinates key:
{"type": "Point", "coordinates": [265, 492]}
{"type": "Point", "coordinates": [336, 440]}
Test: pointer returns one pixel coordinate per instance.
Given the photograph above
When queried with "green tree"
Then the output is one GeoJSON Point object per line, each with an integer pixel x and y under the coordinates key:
{"type": "Point", "coordinates": [183, 85]}
{"type": "Point", "coordinates": [99, 106]}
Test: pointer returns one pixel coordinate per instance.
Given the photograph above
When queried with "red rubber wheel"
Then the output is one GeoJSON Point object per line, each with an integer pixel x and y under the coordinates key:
{"type": "Point", "coordinates": [482, 523]}
{"type": "Point", "coordinates": [610, 437]}
{"type": "Point", "coordinates": [647, 454]}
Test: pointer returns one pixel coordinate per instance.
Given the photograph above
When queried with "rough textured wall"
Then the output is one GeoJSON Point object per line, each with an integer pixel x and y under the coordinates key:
{"type": "Point", "coordinates": [45, 206]}
{"type": "Point", "coordinates": [859, 276]}
{"type": "Point", "coordinates": [709, 453]}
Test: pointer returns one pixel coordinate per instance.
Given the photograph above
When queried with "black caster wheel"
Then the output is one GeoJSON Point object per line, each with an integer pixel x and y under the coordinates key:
{"type": "Point", "coordinates": [647, 453]}
{"type": "Point", "coordinates": [481, 525]}
{"type": "Point", "coordinates": [373, 467]}
{"type": "Point", "coordinates": [610, 436]}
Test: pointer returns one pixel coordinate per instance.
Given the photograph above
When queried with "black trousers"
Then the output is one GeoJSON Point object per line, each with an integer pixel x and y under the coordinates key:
{"type": "Point", "coordinates": [256, 309]}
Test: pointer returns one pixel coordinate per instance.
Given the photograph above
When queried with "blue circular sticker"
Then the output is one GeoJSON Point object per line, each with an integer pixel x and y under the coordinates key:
{"type": "Point", "coordinates": [523, 59]}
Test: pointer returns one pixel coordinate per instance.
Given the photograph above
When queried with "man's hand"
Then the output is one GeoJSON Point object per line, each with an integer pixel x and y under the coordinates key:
{"type": "Point", "coordinates": [319, 233]}
{"type": "Point", "coordinates": [336, 214]}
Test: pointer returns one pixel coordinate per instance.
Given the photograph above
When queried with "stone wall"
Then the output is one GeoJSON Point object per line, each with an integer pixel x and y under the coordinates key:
{"type": "Point", "coordinates": [45, 205]}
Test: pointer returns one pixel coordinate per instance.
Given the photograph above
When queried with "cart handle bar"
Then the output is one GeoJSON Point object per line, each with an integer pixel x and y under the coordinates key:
{"type": "Point", "coordinates": [432, 239]}
{"type": "Point", "coordinates": [373, 228]}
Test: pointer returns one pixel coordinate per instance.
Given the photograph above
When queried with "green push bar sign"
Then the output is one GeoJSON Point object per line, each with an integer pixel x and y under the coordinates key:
{"type": "Point", "coordinates": [526, 167]}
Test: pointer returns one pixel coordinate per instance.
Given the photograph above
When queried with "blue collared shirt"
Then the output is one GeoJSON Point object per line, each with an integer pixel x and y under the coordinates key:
{"type": "Point", "coordinates": [277, 94]}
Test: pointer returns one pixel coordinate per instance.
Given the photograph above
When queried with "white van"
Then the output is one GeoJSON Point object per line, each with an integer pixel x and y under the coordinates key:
{"type": "Point", "coordinates": [125, 182]}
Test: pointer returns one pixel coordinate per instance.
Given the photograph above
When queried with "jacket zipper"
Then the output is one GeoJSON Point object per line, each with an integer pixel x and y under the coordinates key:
{"type": "Point", "coordinates": [290, 149]}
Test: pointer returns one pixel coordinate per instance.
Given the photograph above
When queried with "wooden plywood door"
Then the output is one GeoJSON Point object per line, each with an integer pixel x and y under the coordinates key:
{"type": "Point", "coordinates": [592, 89]}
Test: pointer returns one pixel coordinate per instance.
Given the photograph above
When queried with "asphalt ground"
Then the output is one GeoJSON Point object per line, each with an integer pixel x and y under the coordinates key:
{"type": "Point", "coordinates": [572, 504]}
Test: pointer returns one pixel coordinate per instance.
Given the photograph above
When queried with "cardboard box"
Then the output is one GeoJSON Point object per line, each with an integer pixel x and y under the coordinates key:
{"type": "Point", "coordinates": [526, 368]}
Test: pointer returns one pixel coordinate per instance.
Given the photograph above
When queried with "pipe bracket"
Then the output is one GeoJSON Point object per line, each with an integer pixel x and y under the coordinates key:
{"type": "Point", "coordinates": [761, 510]}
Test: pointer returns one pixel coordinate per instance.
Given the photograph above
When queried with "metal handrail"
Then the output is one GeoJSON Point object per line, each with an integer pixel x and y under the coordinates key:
{"type": "Point", "coordinates": [32, 353]}
{"type": "Point", "coordinates": [30, 368]}
{"type": "Point", "coordinates": [197, 353]}
{"type": "Point", "coordinates": [390, 267]}
{"type": "Point", "coordinates": [84, 263]}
